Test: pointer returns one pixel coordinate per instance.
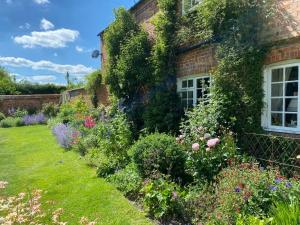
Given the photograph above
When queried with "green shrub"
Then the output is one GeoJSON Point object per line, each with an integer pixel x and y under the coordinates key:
{"type": "Point", "coordinates": [128, 181]}
{"type": "Point", "coordinates": [2, 116]}
{"type": "Point", "coordinates": [159, 153]}
{"type": "Point", "coordinates": [50, 110]}
{"type": "Point", "coordinates": [11, 122]}
{"type": "Point", "coordinates": [253, 220]}
{"type": "Point", "coordinates": [163, 199]}
{"type": "Point", "coordinates": [19, 113]}
{"type": "Point", "coordinates": [205, 163]}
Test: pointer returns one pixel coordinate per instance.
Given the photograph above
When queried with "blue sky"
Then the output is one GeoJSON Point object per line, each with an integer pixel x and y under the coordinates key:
{"type": "Point", "coordinates": [42, 39]}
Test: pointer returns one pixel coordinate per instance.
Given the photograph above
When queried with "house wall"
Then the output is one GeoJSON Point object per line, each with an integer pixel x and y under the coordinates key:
{"type": "Point", "coordinates": [28, 102]}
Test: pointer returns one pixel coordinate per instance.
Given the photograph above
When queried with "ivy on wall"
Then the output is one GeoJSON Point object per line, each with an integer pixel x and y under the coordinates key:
{"type": "Point", "coordinates": [237, 79]}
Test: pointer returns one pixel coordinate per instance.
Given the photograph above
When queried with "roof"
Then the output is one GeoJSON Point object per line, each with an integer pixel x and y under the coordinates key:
{"type": "Point", "coordinates": [131, 9]}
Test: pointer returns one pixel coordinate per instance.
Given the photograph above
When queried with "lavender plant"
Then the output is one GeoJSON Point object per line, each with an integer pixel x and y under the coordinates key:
{"type": "Point", "coordinates": [34, 119]}
{"type": "Point", "coordinates": [66, 136]}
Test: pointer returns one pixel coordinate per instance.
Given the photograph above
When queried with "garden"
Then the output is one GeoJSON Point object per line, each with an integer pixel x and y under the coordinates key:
{"type": "Point", "coordinates": [180, 166]}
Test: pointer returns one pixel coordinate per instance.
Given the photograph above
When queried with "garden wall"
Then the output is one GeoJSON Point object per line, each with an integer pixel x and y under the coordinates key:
{"type": "Point", "coordinates": [29, 102]}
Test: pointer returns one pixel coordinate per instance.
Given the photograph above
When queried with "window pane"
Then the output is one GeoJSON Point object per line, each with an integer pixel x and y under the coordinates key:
{"type": "Point", "coordinates": [199, 94]}
{"type": "Point", "coordinates": [277, 90]}
{"type": "Point", "coordinates": [276, 119]}
{"type": "Point", "coordinates": [291, 104]}
{"type": "Point", "coordinates": [184, 95]}
{"type": "Point", "coordinates": [199, 83]}
{"type": "Point", "coordinates": [291, 89]}
{"type": "Point", "coordinates": [291, 73]}
{"type": "Point", "coordinates": [184, 84]}
{"type": "Point", "coordinates": [291, 120]}
{"type": "Point", "coordinates": [190, 103]}
{"type": "Point", "coordinates": [277, 104]}
{"type": "Point", "coordinates": [277, 75]}
{"type": "Point", "coordinates": [184, 103]}
{"type": "Point", "coordinates": [191, 95]}
{"type": "Point", "coordinates": [191, 83]}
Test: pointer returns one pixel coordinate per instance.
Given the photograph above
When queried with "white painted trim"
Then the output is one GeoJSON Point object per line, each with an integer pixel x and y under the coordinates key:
{"type": "Point", "coordinates": [266, 112]}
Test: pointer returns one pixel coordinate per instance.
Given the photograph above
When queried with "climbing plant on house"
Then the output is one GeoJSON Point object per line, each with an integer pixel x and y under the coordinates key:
{"type": "Point", "coordinates": [163, 111]}
{"type": "Point", "coordinates": [128, 70]}
{"type": "Point", "coordinates": [237, 79]}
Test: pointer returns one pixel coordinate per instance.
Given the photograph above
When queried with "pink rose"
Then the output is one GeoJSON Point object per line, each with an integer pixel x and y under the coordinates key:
{"type": "Point", "coordinates": [195, 146]}
{"type": "Point", "coordinates": [213, 142]}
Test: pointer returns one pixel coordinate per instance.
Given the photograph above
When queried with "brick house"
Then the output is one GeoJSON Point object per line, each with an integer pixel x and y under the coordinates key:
{"type": "Point", "coordinates": [281, 72]}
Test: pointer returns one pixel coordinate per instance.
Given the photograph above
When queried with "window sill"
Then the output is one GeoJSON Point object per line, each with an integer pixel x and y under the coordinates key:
{"type": "Point", "coordinates": [282, 130]}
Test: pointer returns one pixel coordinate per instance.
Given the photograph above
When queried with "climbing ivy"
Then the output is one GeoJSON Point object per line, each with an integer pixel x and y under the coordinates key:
{"type": "Point", "coordinates": [237, 79]}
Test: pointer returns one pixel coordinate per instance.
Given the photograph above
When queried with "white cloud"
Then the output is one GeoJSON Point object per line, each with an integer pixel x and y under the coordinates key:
{"type": "Point", "coordinates": [25, 26]}
{"type": "Point", "coordinates": [41, 2]}
{"type": "Point", "coordinates": [49, 39]}
{"type": "Point", "coordinates": [79, 49]}
{"type": "Point", "coordinates": [43, 78]}
{"type": "Point", "coordinates": [46, 24]}
{"type": "Point", "coordinates": [77, 70]}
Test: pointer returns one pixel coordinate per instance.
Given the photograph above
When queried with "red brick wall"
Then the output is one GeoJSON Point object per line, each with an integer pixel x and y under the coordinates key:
{"type": "Point", "coordinates": [8, 102]}
{"type": "Point", "coordinates": [283, 52]}
{"type": "Point", "coordinates": [196, 61]}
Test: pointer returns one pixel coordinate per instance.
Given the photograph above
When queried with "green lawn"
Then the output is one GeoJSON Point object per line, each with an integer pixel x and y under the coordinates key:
{"type": "Point", "coordinates": [31, 159]}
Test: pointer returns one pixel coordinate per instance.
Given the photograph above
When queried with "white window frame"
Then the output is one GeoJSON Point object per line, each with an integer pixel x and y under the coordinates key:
{"type": "Point", "coordinates": [267, 85]}
{"type": "Point", "coordinates": [191, 7]}
{"type": "Point", "coordinates": [194, 78]}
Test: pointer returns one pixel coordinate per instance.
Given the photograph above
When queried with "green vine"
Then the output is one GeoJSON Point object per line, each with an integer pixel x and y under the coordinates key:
{"type": "Point", "coordinates": [237, 79]}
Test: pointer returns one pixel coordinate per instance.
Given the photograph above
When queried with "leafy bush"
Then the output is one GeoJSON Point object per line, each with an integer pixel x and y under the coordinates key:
{"type": "Point", "coordinates": [66, 136]}
{"type": "Point", "coordinates": [163, 199]}
{"type": "Point", "coordinates": [209, 156]}
{"type": "Point", "coordinates": [28, 88]}
{"type": "Point", "coordinates": [7, 85]}
{"type": "Point", "coordinates": [128, 181]}
{"type": "Point", "coordinates": [253, 220]}
{"type": "Point", "coordinates": [2, 116]}
{"type": "Point", "coordinates": [94, 80]}
{"type": "Point", "coordinates": [159, 153]}
{"type": "Point", "coordinates": [17, 112]}
{"type": "Point", "coordinates": [34, 119]}
{"type": "Point", "coordinates": [50, 109]}
{"type": "Point", "coordinates": [11, 122]}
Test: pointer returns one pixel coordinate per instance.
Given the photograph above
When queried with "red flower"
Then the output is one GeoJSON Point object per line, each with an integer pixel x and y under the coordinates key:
{"type": "Point", "coordinates": [89, 122]}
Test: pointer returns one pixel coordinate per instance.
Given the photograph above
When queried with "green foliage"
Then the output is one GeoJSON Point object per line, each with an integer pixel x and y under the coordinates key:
{"type": "Point", "coordinates": [237, 78]}
{"type": "Point", "coordinates": [163, 112]}
{"type": "Point", "coordinates": [50, 110]}
{"type": "Point", "coordinates": [159, 154]}
{"type": "Point", "coordinates": [253, 220]}
{"type": "Point", "coordinates": [28, 88]}
{"type": "Point", "coordinates": [128, 181]}
{"type": "Point", "coordinates": [163, 199]}
{"type": "Point", "coordinates": [19, 113]}
{"type": "Point", "coordinates": [2, 116]}
{"type": "Point", "coordinates": [284, 213]}
{"type": "Point", "coordinates": [205, 163]}
{"type": "Point", "coordinates": [11, 122]}
{"type": "Point", "coordinates": [94, 80]}
{"type": "Point", "coordinates": [128, 48]}
{"type": "Point", "coordinates": [7, 85]}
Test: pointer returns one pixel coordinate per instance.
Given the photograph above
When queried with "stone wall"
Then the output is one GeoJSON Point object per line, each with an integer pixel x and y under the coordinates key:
{"type": "Point", "coordinates": [28, 102]}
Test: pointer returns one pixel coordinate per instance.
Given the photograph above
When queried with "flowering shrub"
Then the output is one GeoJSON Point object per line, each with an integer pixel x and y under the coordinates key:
{"type": "Point", "coordinates": [27, 209]}
{"type": "Point", "coordinates": [34, 119]}
{"type": "Point", "coordinates": [159, 154]}
{"type": "Point", "coordinates": [209, 155]}
{"type": "Point", "coordinates": [66, 136]}
{"type": "Point", "coordinates": [163, 199]}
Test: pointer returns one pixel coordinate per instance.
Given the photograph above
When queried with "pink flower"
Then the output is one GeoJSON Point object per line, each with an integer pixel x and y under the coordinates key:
{"type": "Point", "coordinates": [195, 146]}
{"type": "Point", "coordinates": [213, 142]}
{"type": "Point", "coordinates": [89, 122]}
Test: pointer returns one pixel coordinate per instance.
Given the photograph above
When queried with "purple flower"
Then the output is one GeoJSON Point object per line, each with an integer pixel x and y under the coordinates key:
{"type": "Point", "coordinates": [288, 185]}
{"type": "Point", "coordinates": [237, 190]}
{"type": "Point", "coordinates": [273, 188]}
{"type": "Point", "coordinates": [278, 180]}
{"type": "Point", "coordinates": [65, 135]}
{"type": "Point", "coordinates": [34, 119]}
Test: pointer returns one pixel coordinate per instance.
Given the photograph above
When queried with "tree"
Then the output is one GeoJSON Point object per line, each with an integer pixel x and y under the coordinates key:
{"type": "Point", "coordinates": [94, 80]}
{"type": "Point", "coordinates": [7, 85]}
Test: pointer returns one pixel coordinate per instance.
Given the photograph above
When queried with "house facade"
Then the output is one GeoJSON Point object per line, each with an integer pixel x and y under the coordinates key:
{"type": "Point", "coordinates": [281, 112]}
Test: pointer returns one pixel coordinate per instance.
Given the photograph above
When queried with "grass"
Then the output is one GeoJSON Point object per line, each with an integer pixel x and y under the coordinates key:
{"type": "Point", "coordinates": [30, 159]}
